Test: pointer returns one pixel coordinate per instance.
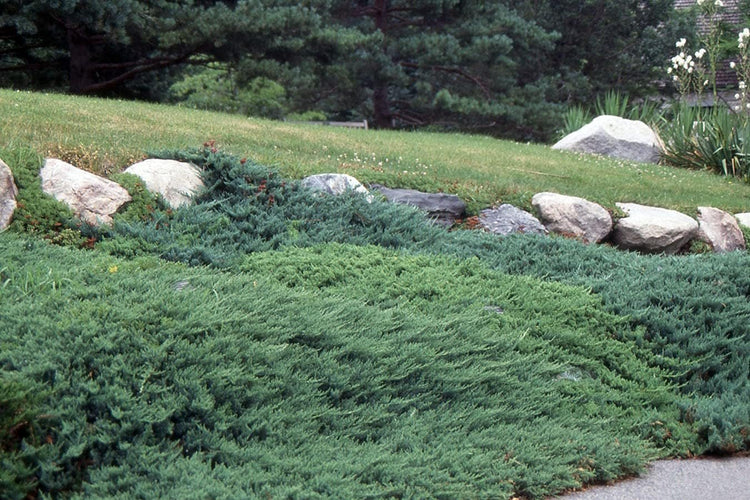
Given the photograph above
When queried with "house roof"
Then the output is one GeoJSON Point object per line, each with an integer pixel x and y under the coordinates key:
{"type": "Point", "coordinates": [730, 16]}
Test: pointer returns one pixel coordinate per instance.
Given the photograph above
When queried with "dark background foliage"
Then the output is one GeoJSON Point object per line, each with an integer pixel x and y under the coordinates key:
{"type": "Point", "coordinates": [501, 68]}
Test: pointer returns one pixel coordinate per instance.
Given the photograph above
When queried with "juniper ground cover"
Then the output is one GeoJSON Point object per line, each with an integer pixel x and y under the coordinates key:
{"type": "Point", "coordinates": [269, 341]}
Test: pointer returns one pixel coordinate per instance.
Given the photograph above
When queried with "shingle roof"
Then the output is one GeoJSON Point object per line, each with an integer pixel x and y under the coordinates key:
{"type": "Point", "coordinates": [683, 4]}
{"type": "Point", "coordinates": [730, 16]}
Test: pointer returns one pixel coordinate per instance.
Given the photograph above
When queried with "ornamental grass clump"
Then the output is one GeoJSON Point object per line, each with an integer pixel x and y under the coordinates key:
{"type": "Point", "coordinates": [714, 138]}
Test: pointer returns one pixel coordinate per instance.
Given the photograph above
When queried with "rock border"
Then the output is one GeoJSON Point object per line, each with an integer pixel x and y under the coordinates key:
{"type": "Point", "coordinates": [644, 229]}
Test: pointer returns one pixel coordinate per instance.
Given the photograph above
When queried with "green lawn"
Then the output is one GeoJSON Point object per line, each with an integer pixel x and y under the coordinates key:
{"type": "Point", "coordinates": [106, 135]}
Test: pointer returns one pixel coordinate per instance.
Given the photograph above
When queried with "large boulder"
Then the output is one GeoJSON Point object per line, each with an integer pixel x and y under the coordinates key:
{"type": "Point", "coordinates": [92, 198]}
{"type": "Point", "coordinates": [335, 184]}
{"type": "Point", "coordinates": [616, 137]}
{"type": "Point", "coordinates": [572, 216]}
{"type": "Point", "coordinates": [507, 219]}
{"type": "Point", "coordinates": [653, 230]}
{"type": "Point", "coordinates": [720, 230]}
{"type": "Point", "coordinates": [443, 208]}
{"type": "Point", "coordinates": [8, 193]}
{"type": "Point", "coordinates": [176, 181]}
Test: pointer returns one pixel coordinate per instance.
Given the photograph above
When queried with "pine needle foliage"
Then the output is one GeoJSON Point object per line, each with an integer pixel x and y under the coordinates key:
{"type": "Point", "coordinates": [336, 371]}
{"type": "Point", "coordinates": [38, 213]}
{"type": "Point", "coordinates": [21, 454]}
{"type": "Point", "coordinates": [694, 308]}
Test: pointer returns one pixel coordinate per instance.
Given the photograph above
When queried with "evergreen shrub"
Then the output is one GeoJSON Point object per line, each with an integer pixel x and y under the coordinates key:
{"type": "Point", "coordinates": [37, 213]}
{"type": "Point", "coordinates": [21, 453]}
{"type": "Point", "coordinates": [332, 371]}
{"type": "Point", "coordinates": [694, 308]}
{"type": "Point", "coordinates": [247, 207]}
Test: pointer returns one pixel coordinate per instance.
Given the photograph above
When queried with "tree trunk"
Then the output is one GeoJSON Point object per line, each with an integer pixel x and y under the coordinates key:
{"type": "Point", "coordinates": [380, 102]}
{"type": "Point", "coordinates": [382, 107]}
{"type": "Point", "coordinates": [81, 65]}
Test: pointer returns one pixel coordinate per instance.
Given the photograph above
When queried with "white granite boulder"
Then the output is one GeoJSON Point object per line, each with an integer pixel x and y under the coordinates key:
{"type": "Point", "coordinates": [8, 194]}
{"type": "Point", "coordinates": [720, 230]}
{"type": "Point", "coordinates": [507, 219]}
{"type": "Point", "coordinates": [616, 137]}
{"type": "Point", "coordinates": [653, 230]}
{"type": "Point", "coordinates": [92, 198]}
{"type": "Point", "coordinates": [572, 216]}
{"type": "Point", "coordinates": [335, 184]}
{"type": "Point", "coordinates": [176, 181]}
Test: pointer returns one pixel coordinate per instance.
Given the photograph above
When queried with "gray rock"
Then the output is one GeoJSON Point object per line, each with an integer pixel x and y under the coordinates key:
{"type": "Point", "coordinates": [572, 216]}
{"type": "Point", "coordinates": [443, 208]}
{"type": "Point", "coordinates": [175, 181]}
{"type": "Point", "coordinates": [92, 198]}
{"type": "Point", "coordinates": [507, 219]}
{"type": "Point", "coordinates": [743, 219]}
{"type": "Point", "coordinates": [8, 194]}
{"type": "Point", "coordinates": [615, 137]}
{"type": "Point", "coordinates": [720, 230]}
{"type": "Point", "coordinates": [653, 230]}
{"type": "Point", "coordinates": [335, 184]}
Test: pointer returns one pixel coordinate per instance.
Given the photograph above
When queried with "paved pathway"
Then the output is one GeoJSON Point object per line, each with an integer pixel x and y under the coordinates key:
{"type": "Point", "coordinates": [699, 479]}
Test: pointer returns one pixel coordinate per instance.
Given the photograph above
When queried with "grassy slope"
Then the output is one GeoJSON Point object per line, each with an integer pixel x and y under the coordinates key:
{"type": "Point", "coordinates": [107, 135]}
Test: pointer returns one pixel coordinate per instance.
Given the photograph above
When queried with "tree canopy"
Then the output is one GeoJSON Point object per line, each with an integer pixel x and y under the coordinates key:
{"type": "Point", "coordinates": [100, 45]}
{"type": "Point", "coordinates": [504, 68]}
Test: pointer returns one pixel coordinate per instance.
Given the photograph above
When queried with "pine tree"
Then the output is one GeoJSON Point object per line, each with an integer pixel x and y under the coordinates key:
{"type": "Point", "coordinates": [103, 44]}
{"type": "Point", "coordinates": [605, 44]}
{"type": "Point", "coordinates": [453, 63]}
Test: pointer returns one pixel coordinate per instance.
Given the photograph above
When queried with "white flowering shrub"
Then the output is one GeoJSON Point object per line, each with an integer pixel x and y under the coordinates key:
{"type": "Point", "coordinates": [688, 72]}
{"type": "Point", "coordinates": [715, 138]}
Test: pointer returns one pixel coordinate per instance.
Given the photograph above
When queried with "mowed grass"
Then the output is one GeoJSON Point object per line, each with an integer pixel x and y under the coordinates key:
{"type": "Point", "coordinates": [106, 136]}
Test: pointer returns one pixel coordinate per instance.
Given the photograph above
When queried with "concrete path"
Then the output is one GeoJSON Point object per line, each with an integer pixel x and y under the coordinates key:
{"type": "Point", "coordinates": [698, 479]}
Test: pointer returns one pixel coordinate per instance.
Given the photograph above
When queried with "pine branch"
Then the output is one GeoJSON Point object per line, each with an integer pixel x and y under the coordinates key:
{"type": "Point", "coordinates": [447, 69]}
{"type": "Point", "coordinates": [142, 68]}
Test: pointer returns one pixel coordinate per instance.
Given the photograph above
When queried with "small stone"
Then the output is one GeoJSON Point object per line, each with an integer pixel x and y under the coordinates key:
{"type": "Point", "coordinates": [743, 219]}
{"type": "Point", "coordinates": [176, 181]}
{"type": "Point", "coordinates": [443, 208]}
{"type": "Point", "coordinates": [653, 230]}
{"type": "Point", "coordinates": [335, 184]}
{"type": "Point", "coordinates": [8, 194]}
{"type": "Point", "coordinates": [507, 219]}
{"type": "Point", "coordinates": [615, 137]}
{"type": "Point", "coordinates": [720, 230]}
